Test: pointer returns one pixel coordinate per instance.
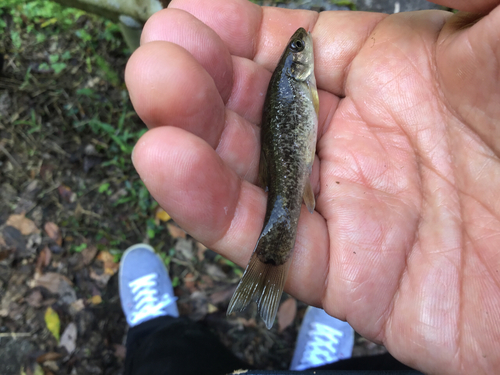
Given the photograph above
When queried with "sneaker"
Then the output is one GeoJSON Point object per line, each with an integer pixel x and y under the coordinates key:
{"type": "Point", "coordinates": [146, 291]}
{"type": "Point", "coordinates": [322, 339]}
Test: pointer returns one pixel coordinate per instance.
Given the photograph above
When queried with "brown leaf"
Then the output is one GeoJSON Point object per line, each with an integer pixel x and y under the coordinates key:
{"type": "Point", "coordinates": [23, 224]}
{"type": "Point", "coordinates": [52, 281]}
{"type": "Point", "coordinates": [175, 231]}
{"type": "Point", "coordinates": [189, 282]}
{"type": "Point", "coordinates": [89, 254]}
{"type": "Point", "coordinates": [102, 279]}
{"type": "Point", "coordinates": [286, 313]}
{"type": "Point", "coordinates": [110, 267]}
{"type": "Point", "coordinates": [66, 194]}
{"type": "Point", "coordinates": [43, 260]}
{"type": "Point", "coordinates": [201, 251]}
{"type": "Point", "coordinates": [53, 232]}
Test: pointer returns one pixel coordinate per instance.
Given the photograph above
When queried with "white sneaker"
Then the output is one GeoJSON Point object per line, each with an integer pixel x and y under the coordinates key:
{"type": "Point", "coordinates": [145, 288]}
{"type": "Point", "coordinates": [322, 339]}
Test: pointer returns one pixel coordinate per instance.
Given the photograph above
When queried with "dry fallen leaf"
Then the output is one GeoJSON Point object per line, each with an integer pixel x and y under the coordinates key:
{"type": "Point", "coordinates": [22, 223]}
{"type": "Point", "coordinates": [52, 321]}
{"type": "Point", "coordinates": [88, 254]}
{"type": "Point", "coordinates": [68, 338]}
{"type": "Point", "coordinates": [286, 313]}
{"type": "Point", "coordinates": [66, 194]}
{"type": "Point", "coordinates": [95, 300]}
{"type": "Point", "coordinates": [43, 260]}
{"type": "Point", "coordinates": [212, 308]}
{"type": "Point", "coordinates": [52, 281]}
{"type": "Point", "coordinates": [161, 215]}
{"type": "Point", "coordinates": [110, 267]}
{"type": "Point", "coordinates": [175, 231]}
{"type": "Point", "coordinates": [53, 232]}
{"type": "Point", "coordinates": [189, 282]}
{"type": "Point", "coordinates": [200, 251]}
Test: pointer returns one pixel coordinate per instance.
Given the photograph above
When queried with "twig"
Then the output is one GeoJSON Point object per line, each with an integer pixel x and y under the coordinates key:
{"type": "Point", "coordinates": [9, 156]}
{"type": "Point", "coordinates": [15, 334]}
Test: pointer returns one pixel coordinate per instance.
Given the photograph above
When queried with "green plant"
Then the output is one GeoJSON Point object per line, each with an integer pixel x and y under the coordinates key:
{"type": "Point", "coordinates": [345, 3]}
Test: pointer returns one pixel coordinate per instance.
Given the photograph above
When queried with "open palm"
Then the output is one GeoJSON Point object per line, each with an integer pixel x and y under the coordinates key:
{"type": "Point", "coordinates": [405, 240]}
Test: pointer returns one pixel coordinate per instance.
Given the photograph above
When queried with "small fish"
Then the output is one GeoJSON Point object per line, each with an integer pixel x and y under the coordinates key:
{"type": "Point", "coordinates": [288, 145]}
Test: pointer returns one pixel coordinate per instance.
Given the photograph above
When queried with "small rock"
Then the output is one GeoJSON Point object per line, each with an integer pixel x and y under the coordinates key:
{"type": "Point", "coordinates": [14, 240]}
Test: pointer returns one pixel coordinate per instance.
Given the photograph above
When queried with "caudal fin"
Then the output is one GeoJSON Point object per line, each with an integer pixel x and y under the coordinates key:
{"type": "Point", "coordinates": [263, 283]}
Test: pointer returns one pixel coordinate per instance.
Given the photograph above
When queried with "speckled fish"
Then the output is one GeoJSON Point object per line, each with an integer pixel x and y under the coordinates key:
{"type": "Point", "coordinates": [288, 145]}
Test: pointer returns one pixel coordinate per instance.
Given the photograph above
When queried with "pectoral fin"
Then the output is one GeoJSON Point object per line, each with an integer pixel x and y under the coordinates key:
{"type": "Point", "coordinates": [308, 197]}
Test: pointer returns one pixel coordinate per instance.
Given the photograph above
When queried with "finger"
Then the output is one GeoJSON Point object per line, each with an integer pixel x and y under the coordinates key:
{"type": "Point", "coordinates": [261, 34]}
{"type": "Point", "coordinates": [189, 180]}
{"type": "Point", "coordinates": [236, 21]}
{"type": "Point", "coordinates": [166, 84]}
{"type": "Point", "coordinates": [478, 6]}
{"type": "Point", "coordinates": [182, 28]}
{"type": "Point", "coordinates": [249, 89]}
{"type": "Point", "coordinates": [468, 60]}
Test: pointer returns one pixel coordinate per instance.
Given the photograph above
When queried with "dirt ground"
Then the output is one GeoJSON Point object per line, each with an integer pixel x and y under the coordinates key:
{"type": "Point", "coordinates": [71, 202]}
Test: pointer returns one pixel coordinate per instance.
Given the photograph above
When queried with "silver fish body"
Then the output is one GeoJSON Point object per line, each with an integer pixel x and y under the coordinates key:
{"type": "Point", "coordinates": [288, 146]}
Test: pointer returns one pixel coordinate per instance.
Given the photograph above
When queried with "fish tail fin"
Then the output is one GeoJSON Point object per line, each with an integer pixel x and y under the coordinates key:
{"type": "Point", "coordinates": [261, 282]}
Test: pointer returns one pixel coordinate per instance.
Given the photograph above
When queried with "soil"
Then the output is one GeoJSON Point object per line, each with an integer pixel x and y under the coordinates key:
{"type": "Point", "coordinates": [71, 202]}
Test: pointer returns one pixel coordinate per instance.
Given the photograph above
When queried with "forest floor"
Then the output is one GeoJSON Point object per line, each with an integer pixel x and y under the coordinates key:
{"type": "Point", "coordinates": [71, 202]}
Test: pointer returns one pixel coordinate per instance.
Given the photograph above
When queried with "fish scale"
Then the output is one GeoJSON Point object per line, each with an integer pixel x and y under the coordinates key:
{"type": "Point", "coordinates": [288, 145]}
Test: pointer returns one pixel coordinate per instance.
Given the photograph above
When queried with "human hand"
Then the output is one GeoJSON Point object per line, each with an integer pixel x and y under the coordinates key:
{"type": "Point", "coordinates": [405, 240]}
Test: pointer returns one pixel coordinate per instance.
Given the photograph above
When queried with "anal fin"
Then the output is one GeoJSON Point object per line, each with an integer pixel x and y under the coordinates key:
{"type": "Point", "coordinates": [261, 282]}
{"type": "Point", "coordinates": [308, 197]}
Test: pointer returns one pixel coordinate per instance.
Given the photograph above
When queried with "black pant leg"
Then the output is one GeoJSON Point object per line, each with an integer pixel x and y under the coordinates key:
{"type": "Point", "coordinates": [177, 346]}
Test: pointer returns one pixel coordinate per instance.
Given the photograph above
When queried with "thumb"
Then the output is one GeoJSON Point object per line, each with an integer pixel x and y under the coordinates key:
{"type": "Point", "coordinates": [468, 61]}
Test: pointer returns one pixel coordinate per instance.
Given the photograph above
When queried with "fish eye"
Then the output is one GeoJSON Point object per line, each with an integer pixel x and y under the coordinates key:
{"type": "Point", "coordinates": [297, 45]}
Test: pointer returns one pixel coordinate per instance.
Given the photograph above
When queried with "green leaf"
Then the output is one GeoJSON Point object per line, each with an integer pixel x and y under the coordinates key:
{"type": "Point", "coordinates": [175, 281]}
{"type": "Point", "coordinates": [40, 37]}
{"type": "Point", "coordinates": [83, 35]}
{"type": "Point", "coordinates": [16, 39]}
{"type": "Point", "coordinates": [58, 67]}
{"type": "Point", "coordinates": [104, 187]}
{"type": "Point", "coordinates": [109, 73]}
{"type": "Point", "coordinates": [53, 58]}
{"type": "Point", "coordinates": [87, 92]}
{"type": "Point", "coordinates": [53, 323]}
{"type": "Point", "coordinates": [79, 248]}
{"type": "Point", "coordinates": [44, 67]}
{"type": "Point", "coordinates": [66, 55]}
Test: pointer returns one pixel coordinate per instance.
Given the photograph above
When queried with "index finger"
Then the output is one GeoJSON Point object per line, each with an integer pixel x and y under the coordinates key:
{"type": "Point", "coordinates": [260, 34]}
